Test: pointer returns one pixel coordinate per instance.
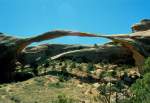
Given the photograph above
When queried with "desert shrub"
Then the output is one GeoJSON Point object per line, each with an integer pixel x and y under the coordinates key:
{"type": "Point", "coordinates": [107, 74]}
{"type": "Point", "coordinates": [39, 81]}
{"type": "Point", "coordinates": [56, 85]}
{"type": "Point", "coordinates": [64, 76]}
{"type": "Point", "coordinates": [73, 65]}
{"type": "Point", "coordinates": [141, 89]}
{"type": "Point", "coordinates": [63, 99]}
{"type": "Point", "coordinates": [90, 67]}
{"type": "Point", "coordinates": [15, 99]}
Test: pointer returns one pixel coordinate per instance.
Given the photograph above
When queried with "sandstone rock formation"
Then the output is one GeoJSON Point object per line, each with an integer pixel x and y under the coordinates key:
{"type": "Point", "coordinates": [142, 26]}
{"type": "Point", "coordinates": [127, 48]}
{"type": "Point", "coordinates": [79, 53]}
{"type": "Point", "coordinates": [11, 47]}
{"type": "Point", "coordinates": [130, 49]}
{"type": "Point", "coordinates": [39, 53]}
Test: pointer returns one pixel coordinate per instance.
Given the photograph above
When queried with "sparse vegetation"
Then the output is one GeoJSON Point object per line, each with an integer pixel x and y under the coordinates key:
{"type": "Point", "coordinates": [63, 99]}
{"type": "Point", "coordinates": [33, 75]}
{"type": "Point", "coordinates": [74, 80]}
{"type": "Point", "coordinates": [140, 89]}
{"type": "Point", "coordinates": [146, 67]}
{"type": "Point", "coordinates": [56, 85]}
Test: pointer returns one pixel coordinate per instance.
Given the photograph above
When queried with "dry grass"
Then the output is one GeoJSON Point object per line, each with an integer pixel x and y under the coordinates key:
{"type": "Point", "coordinates": [67, 80]}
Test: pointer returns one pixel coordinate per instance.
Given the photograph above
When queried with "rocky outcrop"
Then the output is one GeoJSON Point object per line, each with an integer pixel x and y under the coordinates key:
{"type": "Point", "coordinates": [142, 26]}
{"type": "Point", "coordinates": [126, 48]}
{"type": "Point", "coordinates": [11, 47]}
{"type": "Point", "coordinates": [137, 45]}
{"type": "Point", "coordinates": [79, 53]}
{"type": "Point", "coordinates": [129, 49]}
{"type": "Point", "coordinates": [38, 54]}
{"type": "Point", "coordinates": [106, 54]}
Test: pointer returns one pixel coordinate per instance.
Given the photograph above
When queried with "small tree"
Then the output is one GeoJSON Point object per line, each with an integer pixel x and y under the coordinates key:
{"type": "Point", "coordinates": [141, 89]}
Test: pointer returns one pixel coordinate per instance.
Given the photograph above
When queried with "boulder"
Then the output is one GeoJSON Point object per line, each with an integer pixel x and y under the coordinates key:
{"type": "Point", "coordinates": [142, 26]}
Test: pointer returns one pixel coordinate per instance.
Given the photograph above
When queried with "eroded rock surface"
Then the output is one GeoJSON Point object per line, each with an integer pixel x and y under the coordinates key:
{"type": "Point", "coordinates": [11, 47]}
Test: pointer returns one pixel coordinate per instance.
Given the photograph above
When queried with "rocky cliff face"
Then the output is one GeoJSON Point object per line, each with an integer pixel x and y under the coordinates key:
{"type": "Point", "coordinates": [42, 52]}
{"type": "Point", "coordinates": [11, 48]}
{"type": "Point", "coordinates": [79, 53]}
{"type": "Point", "coordinates": [142, 26]}
{"type": "Point", "coordinates": [104, 53]}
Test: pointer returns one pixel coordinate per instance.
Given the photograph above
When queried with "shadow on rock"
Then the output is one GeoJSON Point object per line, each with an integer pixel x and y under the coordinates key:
{"type": "Point", "coordinates": [18, 76]}
{"type": "Point", "coordinates": [22, 76]}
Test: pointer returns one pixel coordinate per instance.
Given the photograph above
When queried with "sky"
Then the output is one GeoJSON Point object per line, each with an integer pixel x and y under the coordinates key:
{"type": "Point", "coordinates": [26, 18]}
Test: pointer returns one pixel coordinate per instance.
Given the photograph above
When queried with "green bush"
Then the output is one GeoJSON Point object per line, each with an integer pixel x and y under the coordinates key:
{"type": "Point", "coordinates": [141, 90]}
{"type": "Point", "coordinates": [146, 67]}
{"type": "Point", "coordinates": [90, 67]}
